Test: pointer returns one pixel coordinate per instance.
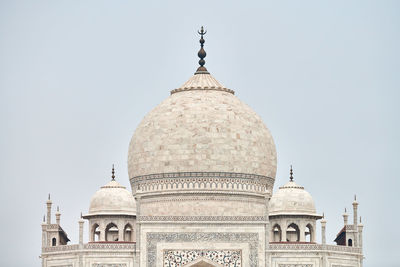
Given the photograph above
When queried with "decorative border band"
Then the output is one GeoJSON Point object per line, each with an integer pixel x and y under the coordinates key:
{"type": "Point", "coordinates": [203, 181]}
{"type": "Point", "coordinates": [199, 175]}
{"type": "Point", "coordinates": [202, 89]}
{"type": "Point", "coordinates": [203, 218]}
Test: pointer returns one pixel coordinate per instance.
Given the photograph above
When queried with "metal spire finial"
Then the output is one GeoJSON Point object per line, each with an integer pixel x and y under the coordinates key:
{"type": "Point", "coordinates": [202, 53]}
{"type": "Point", "coordinates": [345, 210]}
{"type": "Point", "coordinates": [49, 196]}
{"type": "Point", "coordinates": [113, 173]}
{"type": "Point", "coordinates": [81, 215]}
{"type": "Point", "coordinates": [58, 209]}
{"type": "Point", "coordinates": [323, 215]}
{"type": "Point", "coordinates": [44, 218]}
{"type": "Point", "coordinates": [291, 173]}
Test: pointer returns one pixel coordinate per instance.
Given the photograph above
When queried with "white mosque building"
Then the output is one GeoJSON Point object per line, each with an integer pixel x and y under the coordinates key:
{"type": "Point", "coordinates": [202, 167]}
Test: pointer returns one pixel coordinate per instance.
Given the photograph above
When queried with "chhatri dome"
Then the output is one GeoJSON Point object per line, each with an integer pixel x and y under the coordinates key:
{"type": "Point", "coordinates": [112, 199]}
{"type": "Point", "coordinates": [202, 127]}
{"type": "Point", "coordinates": [292, 199]}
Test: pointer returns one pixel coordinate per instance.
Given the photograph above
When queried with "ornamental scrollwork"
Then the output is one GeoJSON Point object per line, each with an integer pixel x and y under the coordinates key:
{"type": "Point", "coordinates": [179, 258]}
{"type": "Point", "coordinates": [252, 239]}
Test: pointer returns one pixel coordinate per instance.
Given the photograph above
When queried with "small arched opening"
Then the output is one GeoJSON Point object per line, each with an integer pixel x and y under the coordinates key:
{"type": "Point", "coordinates": [293, 233]}
{"type": "Point", "coordinates": [95, 233]}
{"type": "Point", "coordinates": [309, 233]}
{"type": "Point", "coordinates": [128, 233]}
{"type": "Point", "coordinates": [54, 242]}
{"type": "Point", "coordinates": [111, 232]}
{"type": "Point", "coordinates": [350, 242]}
{"type": "Point", "coordinates": [276, 233]}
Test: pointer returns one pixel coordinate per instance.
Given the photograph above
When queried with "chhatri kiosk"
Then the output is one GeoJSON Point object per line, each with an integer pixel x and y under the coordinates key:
{"type": "Point", "coordinates": [202, 167]}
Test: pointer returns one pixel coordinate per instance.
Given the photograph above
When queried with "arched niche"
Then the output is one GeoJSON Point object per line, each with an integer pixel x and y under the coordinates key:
{"type": "Point", "coordinates": [95, 232]}
{"type": "Point", "coordinates": [112, 232]}
{"type": "Point", "coordinates": [350, 242]}
{"type": "Point", "coordinates": [293, 233]}
{"type": "Point", "coordinates": [309, 233]}
{"type": "Point", "coordinates": [128, 233]}
{"type": "Point", "coordinates": [276, 233]}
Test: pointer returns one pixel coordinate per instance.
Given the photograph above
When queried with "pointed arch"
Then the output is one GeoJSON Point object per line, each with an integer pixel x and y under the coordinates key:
{"type": "Point", "coordinates": [293, 233]}
{"type": "Point", "coordinates": [309, 233]}
{"type": "Point", "coordinates": [203, 263]}
{"type": "Point", "coordinates": [95, 233]}
{"type": "Point", "coordinates": [112, 232]}
{"type": "Point", "coordinates": [276, 233]}
{"type": "Point", "coordinates": [128, 233]}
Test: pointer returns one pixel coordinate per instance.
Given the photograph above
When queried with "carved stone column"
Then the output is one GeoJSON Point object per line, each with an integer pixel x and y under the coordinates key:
{"type": "Point", "coordinates": [121, 228]}
{"type": "Point", "coordinates": [102, 228]}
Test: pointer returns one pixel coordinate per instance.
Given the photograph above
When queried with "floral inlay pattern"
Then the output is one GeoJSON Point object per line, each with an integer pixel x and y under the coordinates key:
{"type": "Point", "coordinates": [179, 258]}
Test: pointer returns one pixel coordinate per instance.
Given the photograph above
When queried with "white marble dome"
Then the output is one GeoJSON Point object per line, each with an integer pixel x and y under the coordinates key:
{"type": "Point", "coordinates": [292, 199]}
{"type": "Point", "coordinates": [202, 127]}
{"type": "Point", "coordinates": [112, 199]}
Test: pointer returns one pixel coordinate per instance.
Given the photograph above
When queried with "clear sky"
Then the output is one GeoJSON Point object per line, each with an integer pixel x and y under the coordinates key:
{"type": "Point", "coordinates": [76, 78]}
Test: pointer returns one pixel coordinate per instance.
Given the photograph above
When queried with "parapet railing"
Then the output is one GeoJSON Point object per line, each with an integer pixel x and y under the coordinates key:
{"type": "Point", "coordinates": [319, 247]}
{"type": "Point", "coordinates": [91, 246]}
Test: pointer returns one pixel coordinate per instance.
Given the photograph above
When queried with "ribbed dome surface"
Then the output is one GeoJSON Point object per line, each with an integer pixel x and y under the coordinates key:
{"type": "Point", "coordinates": [202, 127]}
{"type": "Point", "coordinates": [112, 199]}
{"type": "Point", "coordinates": [292, 199]}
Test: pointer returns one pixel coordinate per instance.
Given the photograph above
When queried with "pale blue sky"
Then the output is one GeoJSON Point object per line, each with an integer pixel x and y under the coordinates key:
{"type": "Point", "coordinates": [76, 78]}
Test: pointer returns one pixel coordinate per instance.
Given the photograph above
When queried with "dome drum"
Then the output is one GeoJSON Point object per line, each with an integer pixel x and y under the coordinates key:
{"type": "Point", "coordinates": [202, 182]}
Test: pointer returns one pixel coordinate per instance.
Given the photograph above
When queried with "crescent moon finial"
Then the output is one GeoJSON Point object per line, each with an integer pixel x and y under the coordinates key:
{"type": "Point", "coordinates": [202, 53]}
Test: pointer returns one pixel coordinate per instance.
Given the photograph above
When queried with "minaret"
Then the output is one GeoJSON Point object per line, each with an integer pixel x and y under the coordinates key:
{"type": "Point", "coordinates": [48, 203]}
{"type": "Point", "coordinates": [345, 217]}
{"type": "Point", "coordinates": [44, 232]}
{"type": "Point", "coordinates": [81, 223]}
{"type": "Point", "coordinates": [360, 230]}
{"type": "Point", "coordinates": [355, 206]}
{"type": "Point", "coordinates": [355, 221]}
{"type": "Point", "coordinates": [323, 229]}
{"type": "Point", "coordinates": [58, 215]}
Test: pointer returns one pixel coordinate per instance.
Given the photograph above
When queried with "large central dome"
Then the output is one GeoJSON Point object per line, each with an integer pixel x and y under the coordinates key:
{"type": "Point", "coordinates": [202, 127]}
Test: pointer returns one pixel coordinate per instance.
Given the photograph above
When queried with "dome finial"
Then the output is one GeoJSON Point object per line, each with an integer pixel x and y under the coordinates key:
{"type": "Point", "coordinates": [112, 173]}
{"type": "Point", "coordinates": [291, 173]}
{"type": "Point", "coordinates": [202, 53]}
